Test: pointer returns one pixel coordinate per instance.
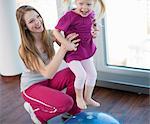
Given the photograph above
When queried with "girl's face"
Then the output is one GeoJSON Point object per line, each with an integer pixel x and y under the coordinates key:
{"type": "Point", "coordinates": [84, 7]}
{"type": "Point", "coordinates": [33, 21]}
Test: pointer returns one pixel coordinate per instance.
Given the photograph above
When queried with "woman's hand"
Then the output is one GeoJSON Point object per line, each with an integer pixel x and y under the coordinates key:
{"type": "Point", "coordinates": [94, 29]}
{"type": "Point", "coordinates": [72, 42]}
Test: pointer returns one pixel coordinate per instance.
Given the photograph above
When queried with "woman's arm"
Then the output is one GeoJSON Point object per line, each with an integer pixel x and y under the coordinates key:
{"type": "Point", "coordinates": [94, 29]}
{"type": "Point", "coordinates": [50, 69]}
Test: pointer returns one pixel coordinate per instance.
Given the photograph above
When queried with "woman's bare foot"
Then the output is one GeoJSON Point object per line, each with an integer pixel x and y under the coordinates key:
{"type": "Point", "coordinates": [92, 102]}
{"type": "Point", "coordinates": [81, 103]}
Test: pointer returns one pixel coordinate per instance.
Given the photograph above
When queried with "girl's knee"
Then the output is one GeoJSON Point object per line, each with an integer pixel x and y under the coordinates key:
{"type": "Point", "coordinates": [92, 74]}
{"type": "Point", "coordinates": [91, 78]}
{"type": "Point", "coordinates": [81, 76]}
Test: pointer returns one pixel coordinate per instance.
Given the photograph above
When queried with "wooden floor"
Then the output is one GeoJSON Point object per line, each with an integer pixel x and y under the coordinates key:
{"type": "Point", "coordinates": [127, 107]}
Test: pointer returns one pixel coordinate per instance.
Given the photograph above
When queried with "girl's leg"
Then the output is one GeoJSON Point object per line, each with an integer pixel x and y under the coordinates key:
{"type": "Point", "coordinates": [80, 77]}
{"type": "Point", "coordinates": [47, 102]}
{"type": "Point", "coordinates": [91, 73]}
{"type": "Point", "coordinates": [65, 79]}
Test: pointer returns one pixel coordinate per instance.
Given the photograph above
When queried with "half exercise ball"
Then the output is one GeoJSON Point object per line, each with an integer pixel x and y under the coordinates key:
{"type": "Point", "coordinates": [92, 118]}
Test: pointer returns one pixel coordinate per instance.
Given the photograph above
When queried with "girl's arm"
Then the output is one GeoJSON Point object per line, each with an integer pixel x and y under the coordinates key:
{"type": "Point", "coordinates": [53, 37]}
{"type": "Point", "coordinates": [59, 36]}
{"type": "Point", "coordinates": [62, 39]}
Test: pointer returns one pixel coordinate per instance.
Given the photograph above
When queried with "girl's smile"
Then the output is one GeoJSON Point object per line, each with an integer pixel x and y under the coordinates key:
{"type": "Point", "coordinates": [84, 7]}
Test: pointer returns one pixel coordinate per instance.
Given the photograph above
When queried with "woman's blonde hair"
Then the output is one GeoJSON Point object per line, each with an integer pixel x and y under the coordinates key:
{"type": "Point", "coordinates": [101, 5]}
{"type": "Point", "coordinates": [28, 52]}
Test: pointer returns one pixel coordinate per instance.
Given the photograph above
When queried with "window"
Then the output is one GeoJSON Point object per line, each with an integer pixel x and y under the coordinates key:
{"type": "Point", "coordinates": [128, 33]}
{"type": "Point", "coordinates": [125, 46]}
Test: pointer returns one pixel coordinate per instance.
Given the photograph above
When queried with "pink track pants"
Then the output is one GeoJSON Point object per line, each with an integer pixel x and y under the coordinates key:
{"type": "Point", "coordinates": [47, 99]}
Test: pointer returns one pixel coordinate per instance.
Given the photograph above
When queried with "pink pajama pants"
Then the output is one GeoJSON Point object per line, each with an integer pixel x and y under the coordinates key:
{"type": "Point", "coordinates": [47, 99]}
{"type": "Point", "coordinates": [85, 72]}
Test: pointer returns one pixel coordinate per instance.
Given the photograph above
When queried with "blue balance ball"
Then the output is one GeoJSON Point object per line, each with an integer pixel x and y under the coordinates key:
{"type": "Point", "coordinates": [92, 118]}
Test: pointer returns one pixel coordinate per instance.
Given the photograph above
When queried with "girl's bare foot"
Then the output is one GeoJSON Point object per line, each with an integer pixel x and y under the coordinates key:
{"type": "Point", "coordinates": [81, 103]}
{"type": "Point", "coordinates": [92, 102]}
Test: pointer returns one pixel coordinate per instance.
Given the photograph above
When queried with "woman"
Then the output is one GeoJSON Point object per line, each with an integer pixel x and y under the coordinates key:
{"type": "Point", "coordinates": [41, 82]}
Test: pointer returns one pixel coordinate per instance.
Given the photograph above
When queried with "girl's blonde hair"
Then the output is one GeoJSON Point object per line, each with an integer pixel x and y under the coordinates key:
{"type": "Point", "coordinates": [28, 52]}
{"type": "Point", "coordinates": [101, 5]}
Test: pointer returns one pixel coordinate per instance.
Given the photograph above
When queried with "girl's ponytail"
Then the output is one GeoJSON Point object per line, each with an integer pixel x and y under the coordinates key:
{"type": "Point", "coordinates": [101, 7]}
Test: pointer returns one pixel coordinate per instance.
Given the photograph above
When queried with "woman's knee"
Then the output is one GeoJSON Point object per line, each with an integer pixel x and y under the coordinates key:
{"type": "Point", "coordinates": [66, 104]}
{"type": "Point", "coordinates": [63, 105]}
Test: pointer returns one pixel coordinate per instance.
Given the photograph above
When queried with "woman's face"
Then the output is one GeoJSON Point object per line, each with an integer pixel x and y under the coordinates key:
{"type": "Point", "coordinates": [84, 7]}
{"type": "Point", "coordinates": [33, 21]}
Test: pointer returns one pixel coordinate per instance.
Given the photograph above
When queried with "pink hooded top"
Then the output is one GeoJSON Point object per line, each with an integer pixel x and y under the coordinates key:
{"type": "Point", "coordinates": [72, 22]}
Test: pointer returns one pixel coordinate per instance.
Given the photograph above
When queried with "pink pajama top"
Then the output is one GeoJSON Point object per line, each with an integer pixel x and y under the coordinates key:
{"type": "Point", "coordinates": [72, 22]}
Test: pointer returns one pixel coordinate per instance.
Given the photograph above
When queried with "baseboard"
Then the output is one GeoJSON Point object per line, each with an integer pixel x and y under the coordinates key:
{"type": "Point", "coordinates": [112, 85]}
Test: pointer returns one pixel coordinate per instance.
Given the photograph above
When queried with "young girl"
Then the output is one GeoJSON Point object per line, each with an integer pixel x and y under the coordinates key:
{"type": "Point", "coordinates": [81, 20]}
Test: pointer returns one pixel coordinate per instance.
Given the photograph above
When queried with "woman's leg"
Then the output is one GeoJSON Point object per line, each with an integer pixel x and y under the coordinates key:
{"type": "Point", "coordinates": [65, 79]}
{"type": "Point", "coordinates": [91, 73]}
{"type": "Point", "coordinates": [47, 102]}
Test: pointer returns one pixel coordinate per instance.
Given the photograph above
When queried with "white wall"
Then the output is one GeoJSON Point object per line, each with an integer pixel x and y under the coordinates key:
{"type": "Point", "coordinates": [10, 63]}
